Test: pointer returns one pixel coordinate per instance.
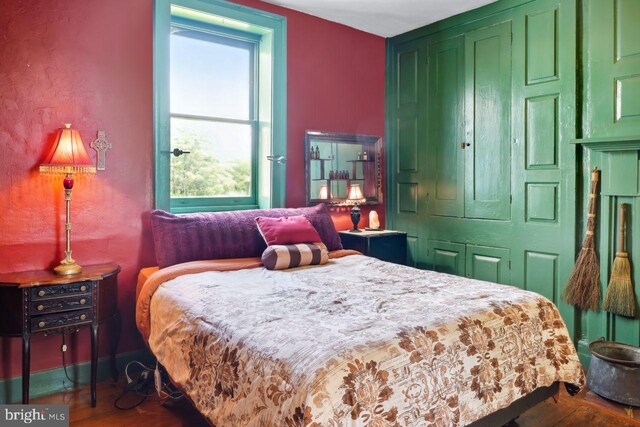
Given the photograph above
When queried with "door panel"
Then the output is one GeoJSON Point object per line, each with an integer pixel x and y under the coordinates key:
{"type": "Point", "coordinates": [447, 257]}
{"type": "Point", "coordinates": [544, 161]}
{"type": "Point", "coordinates": [488, 122]}
{"type": "Point", "coordinates": [487, 263]}
{"type": "Point", "coordinates": [445, 129]}
{"type": "Point", "coordinates": [406, 148]}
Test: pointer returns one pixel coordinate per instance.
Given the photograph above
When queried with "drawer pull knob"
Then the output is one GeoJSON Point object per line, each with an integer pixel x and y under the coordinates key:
{"type": "Point", "coordinates": [40, 307]}
{"type": "Point", "coordinates": [41, 324]}
{"type": "Point", "coordinates": [83, 317]}
{"type": "Point", "coordinates": [83, 288]}
{"type": "Point", "coordinates": [41, 293]}
{"type": "Point", "coordinates": [83, 301]}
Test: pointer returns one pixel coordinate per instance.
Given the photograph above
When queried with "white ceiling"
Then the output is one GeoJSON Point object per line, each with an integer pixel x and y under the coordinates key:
{"type": "Point", "coordinates": [386, 18]}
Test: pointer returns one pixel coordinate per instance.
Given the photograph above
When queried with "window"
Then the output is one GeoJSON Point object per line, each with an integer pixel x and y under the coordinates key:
{"type": "Point", "coordinates": [212, 91]}
{"type": "Point", "coordinates": [219, 82]}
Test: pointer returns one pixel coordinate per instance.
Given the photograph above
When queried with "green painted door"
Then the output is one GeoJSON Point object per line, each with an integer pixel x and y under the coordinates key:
{"type": "Point", "coordinates": [447, 257]}
{"type": "Point", "coordinates": [488, 264]}
{"type": "Point", "coordinates": [543, 247]}
{"type": "Point", "coordinates": [520, 110]}
{"type": "Point", "coordinates": [488, 122]}
{"type": "Point", "coordinates": [407, 186]}
{"type": "Point", "coordinates": [445, 130]}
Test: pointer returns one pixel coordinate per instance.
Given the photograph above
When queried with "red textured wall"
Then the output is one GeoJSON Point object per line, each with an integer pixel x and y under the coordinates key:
{"type": "Point", "coordinates": [89, 62]}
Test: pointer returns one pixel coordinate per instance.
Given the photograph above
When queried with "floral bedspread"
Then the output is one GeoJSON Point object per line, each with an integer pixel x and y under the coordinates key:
{"type": "Point", "coordinates": [356, 342]}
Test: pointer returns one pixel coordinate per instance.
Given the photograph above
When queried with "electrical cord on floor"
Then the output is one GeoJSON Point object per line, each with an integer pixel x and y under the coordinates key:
{"type": "Point", "coordinates": [64, 365]}
{"type": "Point", "coordinates": [164, 387]}
{"type": "Point", "coordinates": [140, 386]}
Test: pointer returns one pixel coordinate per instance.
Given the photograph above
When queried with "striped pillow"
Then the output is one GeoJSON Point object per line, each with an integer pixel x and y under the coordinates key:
{"type": "Point", "coordinates": [281, 257]}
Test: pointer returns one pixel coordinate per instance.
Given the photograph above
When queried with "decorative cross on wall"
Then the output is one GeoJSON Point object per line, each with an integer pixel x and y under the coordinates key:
{"type": "Point", "coordinates": [101, 145]}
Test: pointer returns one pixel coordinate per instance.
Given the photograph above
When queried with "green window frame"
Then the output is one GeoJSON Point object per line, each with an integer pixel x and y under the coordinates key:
{"type": "Point", "coordinates": [216, 19]}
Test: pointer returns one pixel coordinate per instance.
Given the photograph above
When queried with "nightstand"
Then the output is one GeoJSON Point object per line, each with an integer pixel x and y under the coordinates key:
{"type": "Point", "coordinates": [386, 245]}
{"type": "Point", "coordinates": [39, 301]}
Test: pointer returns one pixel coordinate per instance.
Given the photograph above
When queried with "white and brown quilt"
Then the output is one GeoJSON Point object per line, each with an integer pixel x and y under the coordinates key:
{"type": "Point", "coordinates": [356, 342]}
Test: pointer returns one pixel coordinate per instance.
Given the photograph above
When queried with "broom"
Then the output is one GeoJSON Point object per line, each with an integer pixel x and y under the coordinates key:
{"type": "Point", "coordinates": [583, 287]}
{"type": "Point", "coordinates": [619, 298]}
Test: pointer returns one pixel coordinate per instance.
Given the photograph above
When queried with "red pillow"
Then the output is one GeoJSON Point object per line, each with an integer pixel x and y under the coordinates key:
{"type": "Point", "coordinates": [287, 230]}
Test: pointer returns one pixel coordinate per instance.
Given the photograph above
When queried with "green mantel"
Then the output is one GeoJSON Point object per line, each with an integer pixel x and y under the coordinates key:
{"type": "Point", "coordinates": [610, 143]}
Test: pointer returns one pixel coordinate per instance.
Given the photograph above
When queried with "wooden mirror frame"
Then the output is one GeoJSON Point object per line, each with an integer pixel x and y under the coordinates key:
{"type": "Point", "coordinates": [374, 145]}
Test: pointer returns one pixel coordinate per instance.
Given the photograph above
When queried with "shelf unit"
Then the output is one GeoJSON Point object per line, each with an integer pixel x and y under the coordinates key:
{"type": "Point", "coordinates": [353, 169]}
{"type": "Point", "coordinates": [341, 152]}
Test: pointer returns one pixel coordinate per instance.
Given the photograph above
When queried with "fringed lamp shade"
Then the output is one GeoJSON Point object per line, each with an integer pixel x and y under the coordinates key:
{"type": "Point", "coordinates": [68, 155]}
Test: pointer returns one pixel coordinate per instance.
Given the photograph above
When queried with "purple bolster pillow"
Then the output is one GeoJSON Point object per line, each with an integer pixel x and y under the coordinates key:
{"type": "Point", "coordinates": [230, 234]}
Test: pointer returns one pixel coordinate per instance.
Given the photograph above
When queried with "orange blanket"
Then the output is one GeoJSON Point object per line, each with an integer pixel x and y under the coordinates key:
{"type": "Point", "coordinates": [150, 279]}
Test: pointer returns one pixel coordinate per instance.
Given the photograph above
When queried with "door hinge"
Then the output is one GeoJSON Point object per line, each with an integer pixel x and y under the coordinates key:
{"type": "Point", "coordinates": [510, 199]}
{"type": "Point", "coordinates": [509, 264]}
{"type": "Point", "coordinates": [511, 37]}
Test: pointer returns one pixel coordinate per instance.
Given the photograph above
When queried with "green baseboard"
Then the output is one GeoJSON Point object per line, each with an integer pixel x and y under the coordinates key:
{"type": "Point", "coordinates": [52, 381]}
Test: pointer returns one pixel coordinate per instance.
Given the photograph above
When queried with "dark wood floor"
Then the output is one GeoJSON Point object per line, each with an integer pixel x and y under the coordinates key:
{"type": "Point", "coordinates": [568, 411]}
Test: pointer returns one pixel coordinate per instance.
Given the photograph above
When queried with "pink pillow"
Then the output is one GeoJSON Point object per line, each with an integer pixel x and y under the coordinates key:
{"type": "Point", "coordinates": [287, 230]}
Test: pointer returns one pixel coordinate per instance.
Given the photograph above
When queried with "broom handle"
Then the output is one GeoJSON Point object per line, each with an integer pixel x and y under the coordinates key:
{"type": "Point", "coordinates": [622, 223]}
{"type": "Point", "coordinates": [595, 177]}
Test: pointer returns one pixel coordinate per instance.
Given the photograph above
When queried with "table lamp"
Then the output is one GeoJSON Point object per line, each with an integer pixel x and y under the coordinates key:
{"type": "Point", "coordinates": [354, 198]}
{"type": "Point", "coordinates": [324, 192]}
{"type": "Point", "coordinates": [68, 157]}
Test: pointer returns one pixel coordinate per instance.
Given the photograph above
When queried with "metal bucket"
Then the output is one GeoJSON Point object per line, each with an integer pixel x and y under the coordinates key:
{"type": "Point", "coordinates": [614, 372]}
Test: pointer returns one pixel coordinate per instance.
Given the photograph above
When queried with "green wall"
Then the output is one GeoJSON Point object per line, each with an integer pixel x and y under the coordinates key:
{"type": "Point", "coordinates": [487, 162]}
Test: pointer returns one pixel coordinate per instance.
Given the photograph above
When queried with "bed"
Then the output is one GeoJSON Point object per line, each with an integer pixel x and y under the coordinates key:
{"type": "Point", "coordinates": [354, 342]}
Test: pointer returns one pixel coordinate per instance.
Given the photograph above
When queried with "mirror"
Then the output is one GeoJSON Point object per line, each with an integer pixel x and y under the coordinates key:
{"type": "Point", "coordinates": [334, 162]}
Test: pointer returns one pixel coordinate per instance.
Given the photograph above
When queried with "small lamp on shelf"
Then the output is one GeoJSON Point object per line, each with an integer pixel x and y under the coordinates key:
{"type": "Point", "coordinates": [355, 198]}
{"type": "Point", "coordinates": [324, 192]}
{"type": "Point", "coordinates": [67, 158]}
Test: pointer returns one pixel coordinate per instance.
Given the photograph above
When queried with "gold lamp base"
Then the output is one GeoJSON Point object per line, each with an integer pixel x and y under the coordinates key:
{"type": "Point", "coordinates": [67, 267]}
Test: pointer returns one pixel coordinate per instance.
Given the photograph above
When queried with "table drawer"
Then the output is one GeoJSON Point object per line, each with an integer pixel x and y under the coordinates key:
{"type": "Point", "coordinates": [60, 304]}
{"type": "Point", "coordinates": [43, 292]}
{"type": "Point", "coordinates": [69, 318]}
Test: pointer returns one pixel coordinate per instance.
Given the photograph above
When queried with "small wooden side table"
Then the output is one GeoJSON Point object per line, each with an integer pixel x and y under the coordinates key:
{"type": "Point", "coordinates": [39, 301]}
{"type": "Point", "coordinates": [386, 245]}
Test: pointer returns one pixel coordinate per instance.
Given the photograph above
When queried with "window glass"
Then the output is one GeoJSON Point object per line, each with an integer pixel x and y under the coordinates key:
{"type": "Point", "coordinates": [219, 162]}
{"type": "Point", "coordinates": [211, 108]}
{"type": "Point", "coordinates": [210, 78]}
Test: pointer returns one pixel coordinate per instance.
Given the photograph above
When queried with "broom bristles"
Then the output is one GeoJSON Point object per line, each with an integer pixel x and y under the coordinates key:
{"type": "Point", "coordinates": [583, 286]}
{"type": "Point", "coordinates": [619, 298]}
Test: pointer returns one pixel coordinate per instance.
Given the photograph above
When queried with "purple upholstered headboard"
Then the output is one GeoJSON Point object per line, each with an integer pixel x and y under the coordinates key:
{"type": "Point", "coordinates": [231, 234]}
